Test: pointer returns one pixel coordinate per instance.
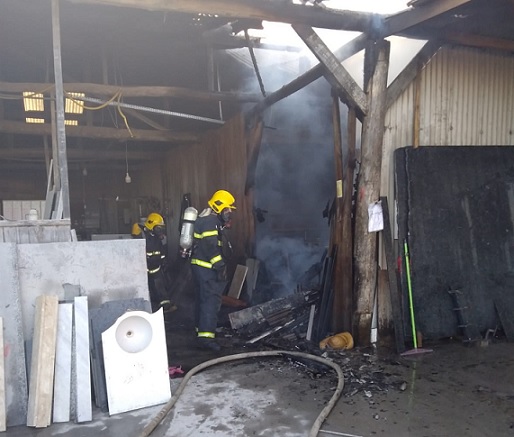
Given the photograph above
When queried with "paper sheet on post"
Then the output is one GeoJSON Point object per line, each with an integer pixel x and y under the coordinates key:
{"type": "Point", "coordinates": [375, 218]}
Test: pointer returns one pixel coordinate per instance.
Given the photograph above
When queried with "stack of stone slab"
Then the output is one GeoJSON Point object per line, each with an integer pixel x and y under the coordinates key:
{"type": "Point", "coordinates": [35, 278]}
{"type": "Point", "coordinates": [57, 347]}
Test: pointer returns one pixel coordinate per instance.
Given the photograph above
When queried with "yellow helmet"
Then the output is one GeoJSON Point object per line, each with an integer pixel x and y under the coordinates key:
{"type": "Point", "coordinates": [136, 230]}
{"type": "Point", "coordinates": [154, 220]}
{"type": "Point", "coordinates": [220, 200]}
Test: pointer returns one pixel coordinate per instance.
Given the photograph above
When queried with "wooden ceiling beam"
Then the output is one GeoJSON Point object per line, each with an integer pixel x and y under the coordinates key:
{"type": "Point", "coordinates": [335, 73]}
{"type": "Point", "coordinates": [106, 133]}
{"type": "Point", "coordinates": [349, 49]}
{"type": "Point", "coordinates": [33, 154]}
{"type": "Point", "coordinates": [282, 11]}
{"type": "Point", "coordinates": [401, 21]}
{"type": "Point", "coordinates": [133, 91]}
{"type": "Point", "coordinates": [478, 41]}
{"type": "Point", "coordinates": [404, 79]}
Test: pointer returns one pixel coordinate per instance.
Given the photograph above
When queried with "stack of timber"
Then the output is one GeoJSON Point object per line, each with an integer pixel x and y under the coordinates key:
{"type": "Point", "coordinates": [273, 314]}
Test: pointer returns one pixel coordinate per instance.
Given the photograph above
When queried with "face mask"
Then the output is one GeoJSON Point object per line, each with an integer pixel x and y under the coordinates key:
{"type": "Point", "coordinates": [159, 231]}
{"type": "Point", "coordinates": [225, 216]}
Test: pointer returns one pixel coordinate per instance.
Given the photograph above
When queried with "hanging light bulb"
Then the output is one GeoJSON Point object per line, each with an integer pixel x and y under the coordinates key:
{"type": "Point", "coordinates": [84, 171]}
{"type": "Point", "coordinates": [128, 179]}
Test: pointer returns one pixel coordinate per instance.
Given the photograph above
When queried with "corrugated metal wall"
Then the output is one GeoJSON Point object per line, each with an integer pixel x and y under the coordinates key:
{"type": "Point", "coordinates": [466, 98]}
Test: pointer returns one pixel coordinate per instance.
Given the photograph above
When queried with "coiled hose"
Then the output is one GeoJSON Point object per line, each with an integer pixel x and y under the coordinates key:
{"type": "Point", "coordinates": [158, 418]}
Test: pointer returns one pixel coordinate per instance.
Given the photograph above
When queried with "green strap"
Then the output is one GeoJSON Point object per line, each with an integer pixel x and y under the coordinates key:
{"type": "Point", "coordinates": [409, 287]}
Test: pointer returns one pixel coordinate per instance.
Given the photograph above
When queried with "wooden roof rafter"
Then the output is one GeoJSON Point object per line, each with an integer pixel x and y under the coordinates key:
{"type": "Point", "coordinates": [282, 11]}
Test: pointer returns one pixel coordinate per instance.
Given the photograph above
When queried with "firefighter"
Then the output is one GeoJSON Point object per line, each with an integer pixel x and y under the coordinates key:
{"type": "Point", "coordinates": [137, 231]}
{"type": "Point", "coordinates": [154, 232]}
{"type": "Point", "coordinates": [208, 266]}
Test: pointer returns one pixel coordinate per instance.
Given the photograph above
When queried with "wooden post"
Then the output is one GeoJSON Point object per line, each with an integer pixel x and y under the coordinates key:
{"type": "Point", "coordinates": [415, 133]}
{"type": "Point", "coordinates": [337, 313]}
{"type": "Point", "coordinates": [368, 191]}
{"type": "Point", "coordinates": [59, 101]}
{"type": "Point", "coordinates": [346, 247]}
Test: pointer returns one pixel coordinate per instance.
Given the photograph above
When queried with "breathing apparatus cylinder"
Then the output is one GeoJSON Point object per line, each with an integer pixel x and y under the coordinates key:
{"type": "Point", "coordinates": [186, 232]}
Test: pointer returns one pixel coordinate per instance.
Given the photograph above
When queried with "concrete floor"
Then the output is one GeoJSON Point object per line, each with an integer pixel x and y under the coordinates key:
{"type": "Point", "coordinates": [453, 391]}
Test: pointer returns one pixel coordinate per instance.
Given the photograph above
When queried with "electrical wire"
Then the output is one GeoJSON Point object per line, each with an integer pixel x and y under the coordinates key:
{"type": "Point", "coordinates": [159, 417]}
{"type": "Point", "coordinates": [78, 100]}
{"type": "Point", "coordinates": [124, 118]}
{"type": "Point", "coordinates": [153, 110]}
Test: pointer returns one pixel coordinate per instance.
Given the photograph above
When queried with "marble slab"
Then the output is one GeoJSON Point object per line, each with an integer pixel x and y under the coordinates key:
{"type": "Point", "coordinates": [81, 376]}
{"type": "Point", "coordinates": [16, 388]}
{"type": "Point", "coordinates": [62, 379]}
{"type": "Point", "coordinates": [136, 362]}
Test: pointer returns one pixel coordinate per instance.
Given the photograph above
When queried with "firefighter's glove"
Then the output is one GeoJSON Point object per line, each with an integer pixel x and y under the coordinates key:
{"type": "Point", "coordinates": [222, 274]}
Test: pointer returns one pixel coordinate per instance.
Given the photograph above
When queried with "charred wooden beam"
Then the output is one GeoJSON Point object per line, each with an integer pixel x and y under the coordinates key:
{"type": "Point", "coordinates": [402, 81]}
{"type": "Point", "coordinates": [108, 133]}
{"type": "Point", "coordinates": [132, 91]}
{"type": "Point", "coordinates": [351, 48]}
{"type": "Point", "coordinates": [335, 73]}
{"type": "Point", "coordinates": [401, 21]}
{"type": "Point", "coordinates": [282, 11]}
{"type": "Point", "coordinates": [478, 41]}
{"type": "Point", "coordinates": [255, 317]}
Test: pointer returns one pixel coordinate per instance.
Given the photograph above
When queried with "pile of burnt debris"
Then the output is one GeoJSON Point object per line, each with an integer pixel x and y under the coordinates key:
{"type": "Point", "coordinates": [294, 323]}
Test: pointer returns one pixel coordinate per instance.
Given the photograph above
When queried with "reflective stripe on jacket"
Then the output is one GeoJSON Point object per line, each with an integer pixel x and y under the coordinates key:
{"type": "Point", "coordinates": [154, 256]}
{"type": "Point", "coordinates": [207, 243]}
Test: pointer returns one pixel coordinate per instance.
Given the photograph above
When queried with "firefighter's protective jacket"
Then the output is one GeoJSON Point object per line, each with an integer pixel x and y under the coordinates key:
{"type": "Point", "coordinates": [155, 256]}
{"type": "Point", "coordinates": [208, 242]}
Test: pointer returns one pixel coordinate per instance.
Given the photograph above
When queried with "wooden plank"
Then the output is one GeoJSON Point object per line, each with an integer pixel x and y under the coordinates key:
{"type": "Point", "coordinates": [237, 281]}
{"type": "Point", "coordinates": [335, 73]}
{"type": "Point", "coordinates": [251, 277]}
{"type": "Point", "coordinates": [42, 362]}
{"type": "Point", "coordinates": [394, 289]}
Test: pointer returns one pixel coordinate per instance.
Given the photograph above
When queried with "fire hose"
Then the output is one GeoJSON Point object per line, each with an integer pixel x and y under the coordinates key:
{"type": "Point", "coordinates": [159, 417]}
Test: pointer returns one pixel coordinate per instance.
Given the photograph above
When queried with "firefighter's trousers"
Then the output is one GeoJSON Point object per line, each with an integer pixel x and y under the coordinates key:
{"type": "Point", "coordinates": [208, 292]}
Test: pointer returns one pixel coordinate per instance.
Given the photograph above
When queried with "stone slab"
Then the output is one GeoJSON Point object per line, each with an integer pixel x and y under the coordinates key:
{"type": "Point", "coordinates": [105, 270]}
{"type": "Point", "coordinates": [62, 379]}
{"type": "Point", "coordinates": [136, 362]}
{"type": "Point", "coordinates": [16, 389]}
{"type": "Point", "coordinates": [3, 420]}
{"type": "Point", "coordinates": [100, 320]}
{"type": "Point", "coordinates": [81, 376]}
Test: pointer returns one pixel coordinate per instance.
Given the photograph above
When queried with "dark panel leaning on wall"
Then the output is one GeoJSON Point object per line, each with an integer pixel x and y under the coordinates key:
{"type": "Point", "coordinates": [455, 210]}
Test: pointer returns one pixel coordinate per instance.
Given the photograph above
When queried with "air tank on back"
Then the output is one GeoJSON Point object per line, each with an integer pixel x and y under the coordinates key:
{"type": "Point", "coordinates": [186, 232]}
